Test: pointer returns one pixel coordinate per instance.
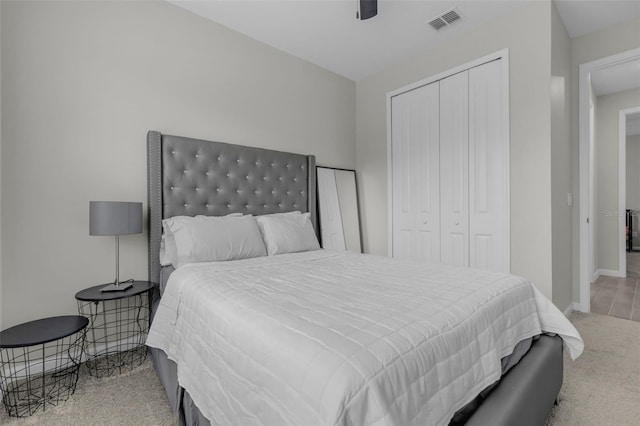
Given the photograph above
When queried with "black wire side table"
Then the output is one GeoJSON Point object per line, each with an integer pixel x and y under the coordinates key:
{"type": "Point", "coordinates": [39, 363]}
{"type": "Point", "coordinates": [118, 327]}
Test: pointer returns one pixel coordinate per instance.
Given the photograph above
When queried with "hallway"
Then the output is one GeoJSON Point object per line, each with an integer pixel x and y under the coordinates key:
{"type": "Point", "coordinates": [617, 297]}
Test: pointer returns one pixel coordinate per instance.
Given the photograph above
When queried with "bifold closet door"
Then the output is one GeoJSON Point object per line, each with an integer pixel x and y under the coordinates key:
{"type": "Point", "coordinates": [488, 170]}
{"type": "Point", "coordinates": [415, 174]}
{"type": "Point", "coordinates": [454, 169]}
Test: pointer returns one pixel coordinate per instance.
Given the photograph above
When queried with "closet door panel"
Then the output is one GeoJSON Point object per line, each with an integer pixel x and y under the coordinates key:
{"type": "Point", "coordinates": [416, 182]}
{"type": "Point", "coordinates": [454, 169]}
{"type": "Point", "coordinates": [488, 170]}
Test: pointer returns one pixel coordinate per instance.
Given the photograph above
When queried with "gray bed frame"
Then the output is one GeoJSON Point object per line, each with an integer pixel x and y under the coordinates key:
{"type": "Point", "coordinates": [195, 177]}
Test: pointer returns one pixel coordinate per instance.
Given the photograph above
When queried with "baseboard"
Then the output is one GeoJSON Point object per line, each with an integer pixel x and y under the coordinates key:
{"type": "Point", "coordinates": [573, 306]}
{"type": "Point", "coordinates": [609, 273]}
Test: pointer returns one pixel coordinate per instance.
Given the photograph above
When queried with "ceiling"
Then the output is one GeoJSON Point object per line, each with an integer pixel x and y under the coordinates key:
{"type": "Point", "coordinates": [582, 17]}
{"type": "Point", "coordinates": [327, 33]}
{"type": "Point", "coordinates": [617, 78]}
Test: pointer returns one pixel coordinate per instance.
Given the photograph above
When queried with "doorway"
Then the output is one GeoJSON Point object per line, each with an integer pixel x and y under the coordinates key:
{"type": "Point", "coordinates": [629, 123]}
{"type": "Point", "coordinates": [603, 207]}
{"type": "Point", "coordinates": [616, 294]}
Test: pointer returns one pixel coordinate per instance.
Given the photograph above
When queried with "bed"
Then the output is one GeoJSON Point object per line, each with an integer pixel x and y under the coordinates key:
{"type": "Point", "coordinates": [283, 340]}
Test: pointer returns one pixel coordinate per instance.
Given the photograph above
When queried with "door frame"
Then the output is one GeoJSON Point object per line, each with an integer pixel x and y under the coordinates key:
{"type": "Point", "coordinates": [586, 234]}
{"type": "Point", "coordinates": [500, 54]}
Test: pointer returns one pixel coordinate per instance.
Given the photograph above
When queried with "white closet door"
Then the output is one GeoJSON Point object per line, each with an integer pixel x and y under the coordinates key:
{"type": "Point", "coordinates": [488, 170]}
{"type": "Point", "coordinates": [454, 169]}
{"type": "Point", "coordinates": [415, 174]}
{"type": "Point", "coordinates": [329, 204]}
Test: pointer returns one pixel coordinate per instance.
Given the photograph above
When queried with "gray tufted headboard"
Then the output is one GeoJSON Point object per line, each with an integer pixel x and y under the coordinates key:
{"type": "Point", "coordinates": [189, 177]}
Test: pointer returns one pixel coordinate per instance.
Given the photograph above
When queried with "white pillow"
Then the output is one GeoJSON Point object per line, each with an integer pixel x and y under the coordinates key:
{"type": "Point", "coordinates": [211, 239]}
{"type": "Point", "coordinates": [287, 232]}
{"type": "Point", "coordinates": [168, 250]}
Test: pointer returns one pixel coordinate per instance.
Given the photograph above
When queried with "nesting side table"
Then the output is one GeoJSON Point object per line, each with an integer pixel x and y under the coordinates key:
{"type": "Point", "coordinates": [118, 327]}
{"type": "Point", "coordinates": [39, 363]}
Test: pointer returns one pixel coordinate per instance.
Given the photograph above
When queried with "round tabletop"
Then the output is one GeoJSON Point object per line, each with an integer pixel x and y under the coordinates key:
{"type": "Point", "coordinates": [93, 294]}
{"type": "Point", "coordinates": [42, 331]}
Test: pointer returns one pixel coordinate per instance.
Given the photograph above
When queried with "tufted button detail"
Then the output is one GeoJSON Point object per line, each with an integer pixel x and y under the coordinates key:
{"type": "Point", "coordinates": [197, 155]}
{"type": "Point", "coordinates": [217, 189]}
{"type": "Point", "coordinates": [172, 187]}
{"type": "Point", "coordinates": [184, 173]}
{"type": "Point", "coordinates": [197, 189]}
{"type": "Point", "coordinates": [228, 175]}
{"type": "Point", "coordinates": [207, 205]}
{"type": "Point", "coordinates": [238, 161]}
{"type": "Point", "coordinates": [173, 152]}
{"type": "Point", "coordinates": [185, 204]}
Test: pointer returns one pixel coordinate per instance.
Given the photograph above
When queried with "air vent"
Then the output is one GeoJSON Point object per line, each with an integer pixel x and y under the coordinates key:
{"type": "Point", "coordinates": [445, 19]}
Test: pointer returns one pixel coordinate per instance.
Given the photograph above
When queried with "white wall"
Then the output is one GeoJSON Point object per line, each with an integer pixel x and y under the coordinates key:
{"type": "Point", "coordinates": [527, 33]}
{"type": "Point", "coordinates": [2, 311]}
{"type": "Point", "coordinates": [560, 161]}
{"type": "Point", "coordinates": [607, 148]}
{"type": "Point", "coordinates": [84, 81]}
{"type": "Point", "coordinates": [618, 38]}
{"type": "Point", "coordinates": [633, 181]}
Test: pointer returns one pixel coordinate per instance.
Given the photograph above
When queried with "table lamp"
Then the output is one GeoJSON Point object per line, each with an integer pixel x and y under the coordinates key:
{"type": "Point", "coordinates": [115, 218]}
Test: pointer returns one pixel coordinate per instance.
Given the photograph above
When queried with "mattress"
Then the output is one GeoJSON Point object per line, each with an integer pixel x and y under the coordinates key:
{"type": "Point", "coordinates": [341, 338]}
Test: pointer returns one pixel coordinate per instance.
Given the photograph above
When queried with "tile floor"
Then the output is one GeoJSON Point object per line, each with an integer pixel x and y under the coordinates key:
{"type": "Point", "coordinates": [619, 297]}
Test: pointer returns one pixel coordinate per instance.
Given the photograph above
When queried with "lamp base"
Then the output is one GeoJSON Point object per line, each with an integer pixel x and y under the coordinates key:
{"type": "Point", "coordinates": [113, 287]}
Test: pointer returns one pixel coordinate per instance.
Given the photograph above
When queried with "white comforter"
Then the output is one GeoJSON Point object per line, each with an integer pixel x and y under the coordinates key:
{"type": "Point", "coordinates": [327, 338]}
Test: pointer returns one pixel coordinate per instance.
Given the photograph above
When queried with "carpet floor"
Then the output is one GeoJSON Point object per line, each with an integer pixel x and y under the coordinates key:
{"type": "Point", "coordinates": [601, 388]}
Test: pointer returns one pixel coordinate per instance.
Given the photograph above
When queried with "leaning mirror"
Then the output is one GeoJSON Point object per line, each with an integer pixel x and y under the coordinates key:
{"type": "Point", "coordinates": [338, 209]}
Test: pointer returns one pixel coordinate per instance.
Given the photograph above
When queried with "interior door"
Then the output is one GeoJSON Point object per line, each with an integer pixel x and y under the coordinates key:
{"type": "Point", "coordinates": [415, 174]}
{"type": "Point", "coordinates": [488, 170]}
{"type": "Point", "coordinates": [454, 169]}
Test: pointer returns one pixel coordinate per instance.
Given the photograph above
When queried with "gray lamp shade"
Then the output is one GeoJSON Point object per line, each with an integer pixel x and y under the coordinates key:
{"type": "Point", "coordinates": [114, 218]}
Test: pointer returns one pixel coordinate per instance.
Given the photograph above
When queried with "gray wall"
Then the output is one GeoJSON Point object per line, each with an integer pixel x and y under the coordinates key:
{"type": "Point", "coordinates": [527, 33]}
{"type": "Point", "coordinates": [560, 161]}
{"type": "Point", "coordinates": [608, 171]}
{"type": "Point", "coordinates": [600, 44]}
{"type": "Point", "coordinates": [84, 81]}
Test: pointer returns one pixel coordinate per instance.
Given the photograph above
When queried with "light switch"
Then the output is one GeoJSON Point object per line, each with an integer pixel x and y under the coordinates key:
{"type": "Point", "coordinates": [569, 199]}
